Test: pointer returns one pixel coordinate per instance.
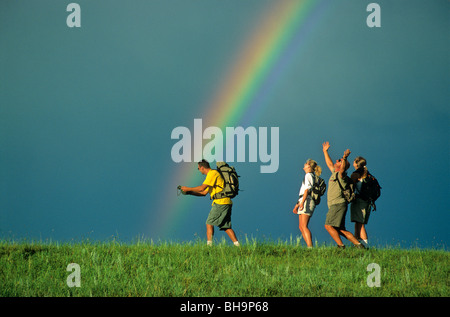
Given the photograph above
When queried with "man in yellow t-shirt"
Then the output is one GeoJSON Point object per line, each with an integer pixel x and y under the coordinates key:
{"type": "Point", "coordinates": [220, 214]}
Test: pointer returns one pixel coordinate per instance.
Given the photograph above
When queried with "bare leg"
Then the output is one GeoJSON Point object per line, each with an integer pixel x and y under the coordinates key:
{"type": "Point", "coordinates": [303, 226]}
{"type": "Point", "coordinates": [209, 232]}
{"type": "Point", "coordinates": [363, 234]}
{"type": "Point", "coordinates": [231, 234]}
{"type": "Point", "coordinates": [360, 231]}
{"type": "Point", "coordinates": [334, 234]}
{"type": "Point", "coordinates": [349, 236]}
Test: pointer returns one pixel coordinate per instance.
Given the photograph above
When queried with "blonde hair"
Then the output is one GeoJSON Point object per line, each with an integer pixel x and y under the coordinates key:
{"type": "Point", "coordinates": [314, 166]}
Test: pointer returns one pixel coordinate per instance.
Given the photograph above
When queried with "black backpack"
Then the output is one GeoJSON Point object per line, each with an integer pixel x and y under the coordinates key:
{"type": "Point", "coordinates": [318, 189]}
{"type": "Point", "coordinates": [370, 190]}
{"type": "Point", "coordinates": [231, 180]}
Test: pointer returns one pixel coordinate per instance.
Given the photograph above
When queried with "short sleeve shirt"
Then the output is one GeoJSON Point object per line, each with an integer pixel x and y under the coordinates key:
{"type": "Point", "coordinates": [216, 184]}
{"type": "Point", "coordinates": [307, 183]}
{"type": "Point", "coordinates": [334, 193]}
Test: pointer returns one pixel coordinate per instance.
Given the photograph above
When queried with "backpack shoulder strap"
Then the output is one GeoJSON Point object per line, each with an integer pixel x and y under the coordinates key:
{"type": "Point", "coordinates": [337, 179]}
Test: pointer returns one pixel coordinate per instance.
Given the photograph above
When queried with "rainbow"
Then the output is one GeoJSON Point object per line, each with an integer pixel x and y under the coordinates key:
{"type": "Point", "coordinates": [279, 35]}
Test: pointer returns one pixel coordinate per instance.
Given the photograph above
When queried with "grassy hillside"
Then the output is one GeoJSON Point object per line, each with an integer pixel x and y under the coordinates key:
{"type": "Point", "coordinates": [194, 269]}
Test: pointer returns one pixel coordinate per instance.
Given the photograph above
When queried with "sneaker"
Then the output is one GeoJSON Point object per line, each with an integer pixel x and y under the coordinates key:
{"type": "Point", "coordinates": [341, 247]}
{"type": "Point", "coordinates": [360, 246]}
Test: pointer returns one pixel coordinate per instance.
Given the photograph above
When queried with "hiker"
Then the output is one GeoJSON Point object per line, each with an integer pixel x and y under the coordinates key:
{"type": "Point", "coordinates": [220, 214]}
{"type": "Point", "coordinates": [360, 208]}
{"type": "Point", "coordinates": [306, 205]}
{"type": "Point", "coordinates": [337, 205]}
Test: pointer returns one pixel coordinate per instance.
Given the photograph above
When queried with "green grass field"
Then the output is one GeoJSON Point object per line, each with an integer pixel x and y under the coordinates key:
{"type": "Point", "coordinates": [272, 269]}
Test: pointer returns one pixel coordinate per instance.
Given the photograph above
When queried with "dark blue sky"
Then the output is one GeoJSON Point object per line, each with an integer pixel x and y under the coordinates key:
{"type": "Point", "coordinates": [86, 116]}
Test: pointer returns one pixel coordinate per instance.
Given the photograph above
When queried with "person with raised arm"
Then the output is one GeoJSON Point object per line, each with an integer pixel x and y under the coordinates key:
{"type": "Point", "coordinates": [337, 205]}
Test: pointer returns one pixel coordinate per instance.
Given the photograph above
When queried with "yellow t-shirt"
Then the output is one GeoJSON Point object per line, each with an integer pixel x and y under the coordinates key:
{"type": "Point", "coordinates": [215, 184]}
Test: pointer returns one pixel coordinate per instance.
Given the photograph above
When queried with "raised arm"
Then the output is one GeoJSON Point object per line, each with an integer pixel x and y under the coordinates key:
{"type": "Point", "coordinates": [325, 147]}
{"type": "Point", "coordinates": [344, 163]}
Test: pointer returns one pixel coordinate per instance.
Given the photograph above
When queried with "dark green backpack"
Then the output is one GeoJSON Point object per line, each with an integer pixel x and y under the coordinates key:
{"type": "Point", "coordinates": [348, 193]}
{"type": "Point", "coordinates": [231, 180]}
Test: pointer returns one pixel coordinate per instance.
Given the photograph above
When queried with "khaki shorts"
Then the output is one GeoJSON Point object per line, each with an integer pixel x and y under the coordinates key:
{"type": "Point", "coordinates": [360, 211]}
{"type": "Point", "coordinates": [220, 216]}
{"type": "Point", "coordinates": [336, 215]}
{"type": "Point", "coordinates": [308, 207]}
